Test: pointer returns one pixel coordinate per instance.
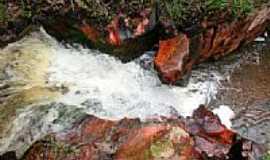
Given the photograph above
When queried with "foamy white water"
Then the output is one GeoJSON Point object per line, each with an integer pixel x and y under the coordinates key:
{"type": "Point", "coordinates": [103, 86]}
{"type": "Point", "coordinates": [225, 114]}
{"type": "Point", "coordinates": [107, 88]}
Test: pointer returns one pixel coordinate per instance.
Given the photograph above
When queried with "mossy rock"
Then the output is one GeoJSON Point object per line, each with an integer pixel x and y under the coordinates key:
{"type": "Point", "coordinates": [162, 149]}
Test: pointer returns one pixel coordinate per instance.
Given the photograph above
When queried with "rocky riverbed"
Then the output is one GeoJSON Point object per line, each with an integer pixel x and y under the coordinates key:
{"type": "Point", "coordinates": [247, 92]}
{"type": "Point", "coordinates": [48, 87]}
{"type": "Point", "coordinates": [132, 80]}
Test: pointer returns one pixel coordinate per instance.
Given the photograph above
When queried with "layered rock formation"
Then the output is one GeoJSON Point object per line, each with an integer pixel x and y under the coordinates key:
{"type": "Point", "coordinates": [201, 136]}
{"type": "Point", "coordinates": [176, 56]}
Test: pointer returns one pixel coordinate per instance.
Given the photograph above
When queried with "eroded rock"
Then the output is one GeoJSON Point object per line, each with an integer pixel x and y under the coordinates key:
{"type": "Point", "coordinates": [176, 56]}
{"type": "Point", "coordinates": [131, 139]}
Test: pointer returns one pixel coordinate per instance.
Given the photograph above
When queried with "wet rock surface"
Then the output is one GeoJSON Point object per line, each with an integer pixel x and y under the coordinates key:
{"type": "Point", "coordinates": [82, 81]}
{"type": "Point", "coordinates": [247, 92]}
{"type": "Point", "coordinates": [79, 22]}
{"type": "Point", "coordinates": [171, 58]}
{"type": "Point", "coordinates": [254, 122]}
{"type": "Point", "coordinates": [176, 58]}
{"type": "Point", "coordinates": [199, 137]}
{"type": "Point", "coordinates": [168, 138]}
{"type": "Point", "coordinates": [127, 29]}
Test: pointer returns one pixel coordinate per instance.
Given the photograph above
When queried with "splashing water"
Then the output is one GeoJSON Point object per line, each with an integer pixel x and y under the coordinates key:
{"type": "Point", "coordinates": [108, 88]}
{"type": "Point", "coordinates": [95, 83]}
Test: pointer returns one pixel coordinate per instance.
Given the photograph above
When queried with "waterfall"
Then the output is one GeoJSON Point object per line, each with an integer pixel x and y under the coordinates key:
{"type": "Point", "coordinates": [85, 81]}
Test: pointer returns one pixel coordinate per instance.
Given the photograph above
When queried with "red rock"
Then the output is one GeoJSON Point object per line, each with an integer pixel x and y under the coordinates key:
{"type": "Point", "coordinates": [114, 32]}
{"type": "Point", "coordinates": [40, 151]}
{"type": "Point", "coordinates": [138, 141]}
{"type": "Point", "coordinates": [141, 28]}
{"type": "Point", "coordinates": [211, 126]}
{"type": "Point", "coordinates": [131, 139]}
{"type": "Point", "coordinates": [211, 148]}
{"type": "Point", "coordinates": [258, 25]}
{"type": "Point", "coordinates": [171, 58]}
{"type": "Point", "coordinates": [87, 152]}
{"type": "Point", "coordinates": [124, 27]}
{"type": "Point", "coordinates": [94, 128]}
{"type": "Point", "coordinates": [176, 56]}
{"type": "Point", "coordinates": [90, 32]}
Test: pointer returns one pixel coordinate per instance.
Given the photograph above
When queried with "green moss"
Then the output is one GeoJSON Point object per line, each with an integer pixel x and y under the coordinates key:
{"type": "Point", "coordinates": [266, 157]}
{"type": "Point", "coordinates": [2, 12]}
{"type": "Point", "coordinates": [162, 149]}
{"type": "Point", "coordinates": [241, 7]}
{"type": "Point", "coordinates": [103, 11]}
{"type": "Point", "coordinates": [216, 4]}
{"type": "Point", "coordinates": [184, 12]}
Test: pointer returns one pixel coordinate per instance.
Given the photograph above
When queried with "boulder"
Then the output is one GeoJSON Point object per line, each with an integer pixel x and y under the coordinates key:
{"type": "Point", "coordinates": [177, 55]}
{"type": "Point", "coordinates": [199, 137]}
{"type": "Point", "coordinates": [172, 56]}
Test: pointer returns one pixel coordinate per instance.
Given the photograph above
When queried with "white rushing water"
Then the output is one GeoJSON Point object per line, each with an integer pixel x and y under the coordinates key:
{"type": "Point", "coordinates": [225, 114]}
{"type": "Point", "coordinates": [105, 87]}
{"type": "Point", "coordinates": [108, 88]}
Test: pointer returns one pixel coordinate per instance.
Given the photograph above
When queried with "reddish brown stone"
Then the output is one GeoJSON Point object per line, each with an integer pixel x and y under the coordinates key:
{"type": "Point", "coordinates": [88, 152]}
{"type": "Point", "coordinates": [211, 148]}
{"type": "Point", "coordinates": [114, 32]}
{"type": "Point", "coordinates": [177, 55]}
{"type": "Point", "coordinates": [94, 128]}
{"type": "Point", "coordinates": [90, 32]}
{"type": "Point", "coordinates": [258, 25]}
{"type": "Point", "coordinates": [138, 141]}
{"type": "Point", "coordinates": [41, 151]}
{"type": "Point", "coordinates": [211, 126]}
{"type": "Point", "coordinates": [171, 57]}
{"type": "Point", "coordinates": [123, 27]}
{"type": "Point", "coordinates": [198, 138]}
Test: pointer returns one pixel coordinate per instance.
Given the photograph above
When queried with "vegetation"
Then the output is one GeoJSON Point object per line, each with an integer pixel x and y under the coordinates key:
{"type": "Point", "coordinates": [2, 12]}
{"type": "Point", "coordinates": [26, 10]}
{"type": "Point", "coordinates": [266, 157]}
{"type": "Point", "coordinates": [183, 10]}
{"type": "Point", "coordinates": [241, 7]}
{"type": "Point", "coordinates": [216, 4]}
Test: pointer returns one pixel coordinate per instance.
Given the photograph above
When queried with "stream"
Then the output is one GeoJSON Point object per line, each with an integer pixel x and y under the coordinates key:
{"type": "Point", "coordinates": [46, 86]}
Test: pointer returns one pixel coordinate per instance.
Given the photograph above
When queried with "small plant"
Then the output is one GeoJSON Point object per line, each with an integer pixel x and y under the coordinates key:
{"type": "Point", "coordinates": [241, 7]}
{"type": "Point", "coordinates": [216, 4]}
{"type": "Point", "coordinates": [183, 12]}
